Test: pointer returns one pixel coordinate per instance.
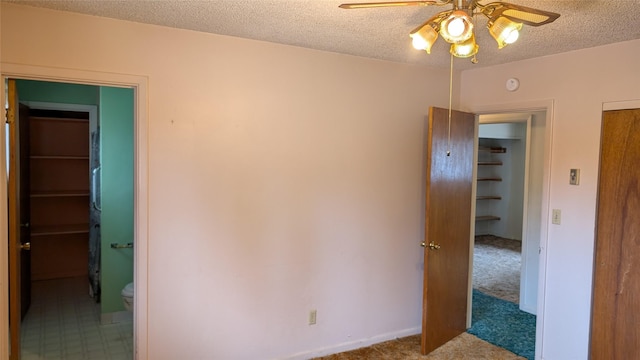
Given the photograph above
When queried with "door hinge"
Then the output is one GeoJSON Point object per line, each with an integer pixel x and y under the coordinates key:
{"type": "Point", "coordinates": [8, 115]}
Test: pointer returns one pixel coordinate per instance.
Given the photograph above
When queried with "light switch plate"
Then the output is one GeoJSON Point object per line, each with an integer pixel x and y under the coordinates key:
{"type": "Point", "coordinates": [574, 176]}
{"type": "Point", "coordinates": [556, 216]}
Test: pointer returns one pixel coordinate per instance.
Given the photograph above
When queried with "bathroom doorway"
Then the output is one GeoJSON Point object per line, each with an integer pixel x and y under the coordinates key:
{"type": "Point", "coordinates": [81, 285]}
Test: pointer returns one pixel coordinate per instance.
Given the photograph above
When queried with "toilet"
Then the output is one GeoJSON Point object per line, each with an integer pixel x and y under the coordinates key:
{"type": "Point", "coordinates": [127, 296]}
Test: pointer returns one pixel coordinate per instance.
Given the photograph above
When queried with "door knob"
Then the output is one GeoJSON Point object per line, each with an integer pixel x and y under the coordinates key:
{"type": "Point", "coordinates": [432, 245]}
{"type": "Point", "coordinates": [26, 246]}
{"type": "Point", "coordinates": [25, 225]}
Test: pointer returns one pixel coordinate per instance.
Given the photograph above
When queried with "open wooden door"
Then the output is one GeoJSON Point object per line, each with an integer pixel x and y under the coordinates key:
{"type": "Point", "coordinates": [19, 228]}
{"type": "Point", "coordinates": [616, 285]}
{"type": "Point", "coordinates": [450, 158]}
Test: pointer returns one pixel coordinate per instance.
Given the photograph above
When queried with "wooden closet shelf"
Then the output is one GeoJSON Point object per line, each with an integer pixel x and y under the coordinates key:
{"type": "Point", "coordinates": [60, 229]}
{"type": "Point", "coordinates": [489, 197]}
{"type": "Point", "coordinates": [494, 149]}
{"type": "Point", "coordinates": [69, 193]}
{"type": "Point", "coordinates": [487, 218]}
{"type": "Point", "coordinates": [57, 119]}
{"type": "Point", "coordinates": [490, 179]}
{"type": "Point", "coordinates": [489, 162]}
{"type": "Point", "coordinates": [58, 157]}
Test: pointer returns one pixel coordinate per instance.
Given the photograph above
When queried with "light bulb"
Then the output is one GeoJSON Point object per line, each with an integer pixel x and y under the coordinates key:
{"type": "Point", "coordinates": [512, 37]}
{"type": "Point", "coordinates": [455, 27]}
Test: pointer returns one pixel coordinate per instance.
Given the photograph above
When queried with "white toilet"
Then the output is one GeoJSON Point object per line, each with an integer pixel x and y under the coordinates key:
{"type": "Point", "coordinates": [127, 296]}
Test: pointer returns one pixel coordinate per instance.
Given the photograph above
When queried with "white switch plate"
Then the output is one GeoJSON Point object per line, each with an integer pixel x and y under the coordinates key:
{"type": "Point", "coordinates": [556, 216]}
{"type": "Point", "coordinates": [312, 317]}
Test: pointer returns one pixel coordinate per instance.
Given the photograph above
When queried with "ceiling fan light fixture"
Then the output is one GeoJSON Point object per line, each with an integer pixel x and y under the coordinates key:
{"type": "Point", "coordinates": [424, 38]}
{"type": "Point", "coordinates": [504, 31]}
{"type": "Point", "coordinates": [457, 28]}
{"type": "Point", "coordinates": [465, 49]}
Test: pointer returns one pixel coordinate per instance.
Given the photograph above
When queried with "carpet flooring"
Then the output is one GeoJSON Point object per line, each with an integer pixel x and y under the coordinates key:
{"type": "Point", "coordinates": [502, 323]}
{"type": "Point", "coordinates": [496, 267]}
{"type": "Point", "coordinates": [463, 347]}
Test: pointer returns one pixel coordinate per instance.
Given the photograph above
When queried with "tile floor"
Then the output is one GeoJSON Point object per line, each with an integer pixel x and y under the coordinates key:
{"type": "Point", "coordinates": [63, 322]}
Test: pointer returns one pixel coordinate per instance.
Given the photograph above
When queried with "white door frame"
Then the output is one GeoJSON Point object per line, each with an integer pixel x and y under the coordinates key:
{"type": "Point", "coordinates": [141, 196]}
{"type": "Point", "coordinates": [621, 105]}
{"type": "Point", "coordinates": [528, 107]}
{"type": "Point", "coordinates": [523, 118]}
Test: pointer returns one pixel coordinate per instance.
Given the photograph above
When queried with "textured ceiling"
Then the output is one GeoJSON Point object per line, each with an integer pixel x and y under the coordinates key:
{"type": "Point", "coordinates": [380, 33]}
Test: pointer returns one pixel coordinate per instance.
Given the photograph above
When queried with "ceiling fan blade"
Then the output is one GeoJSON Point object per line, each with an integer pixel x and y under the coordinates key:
{"type": "Point", "coordinates": [393, 3]}
{"type": "Point", "coordinates": [518, 13]}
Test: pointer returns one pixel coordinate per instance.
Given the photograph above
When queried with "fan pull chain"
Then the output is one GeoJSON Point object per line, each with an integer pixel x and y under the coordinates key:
{"type": "Point", "coordinates": [450, 96]}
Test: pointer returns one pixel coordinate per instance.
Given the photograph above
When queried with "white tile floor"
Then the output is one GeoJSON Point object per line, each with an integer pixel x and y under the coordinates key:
{"type": "Point", "coordinates": [63, 322]}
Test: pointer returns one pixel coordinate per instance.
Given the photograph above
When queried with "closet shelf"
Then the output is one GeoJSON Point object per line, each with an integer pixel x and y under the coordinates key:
{"type": "Point", "coordinates": [57, 120]}
{"type": "Point", "coordinates": [68, 193]}
{"type": "Point", "coordinates": [63, 229]}
{"type": "Point", "coordinates": [489, 197]}
{"type": "Point", "coordinates": [487, 218]}
{"type": "Point", "coordinates": [489, 162]}
{"type": "Point", "coordinates": [58, 157]}
{"type": "Point", "coordinates": [493, 149]}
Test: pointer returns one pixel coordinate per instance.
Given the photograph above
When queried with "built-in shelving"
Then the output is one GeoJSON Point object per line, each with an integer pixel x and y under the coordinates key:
{"type": "Point", "coordinates": [492, 149]}
{"type": "Point", "coordinates": [490, 163]}
{"type": "Point", "coordinates": [63, 229]}
{"type": "Point", "coordinates": [487, 218]}
{"type": "Point", "coordinates": [489, 197]}
{"type": "Point", "coordinates": [59, 196]}
{"type": "Point", "coordinates": [58, 157]}
{"type": "Point", "coordinates": [486, 175]}
{"type": "Point", "coordinates": [70, 193]}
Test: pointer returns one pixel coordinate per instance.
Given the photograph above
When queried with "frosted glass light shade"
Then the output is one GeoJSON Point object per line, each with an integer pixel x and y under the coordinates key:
{"type": "Point", "coordinates": [465, 49]}
{"type": "Point", "coordinates": [424, 38]}
{"type": "Point", "coordinates": [504, 31]}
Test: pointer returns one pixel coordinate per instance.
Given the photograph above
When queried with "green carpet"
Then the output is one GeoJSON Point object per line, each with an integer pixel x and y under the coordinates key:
{"type": "Point", "coordinates": [502, 323]}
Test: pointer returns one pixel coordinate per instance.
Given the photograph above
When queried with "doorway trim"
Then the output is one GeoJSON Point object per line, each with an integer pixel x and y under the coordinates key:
{"type": "Point", "coordinates": [141, 196]}
{"type": "Point", "coordinates": [528, 107]}
{"type": "Point", "coordinates": [621, 105]}
{"type": "Point", "coordinates": [523, 119]}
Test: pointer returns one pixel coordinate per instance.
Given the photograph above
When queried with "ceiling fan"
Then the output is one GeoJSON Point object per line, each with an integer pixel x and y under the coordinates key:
{"type": "Point", "coordinates": [455, 26]}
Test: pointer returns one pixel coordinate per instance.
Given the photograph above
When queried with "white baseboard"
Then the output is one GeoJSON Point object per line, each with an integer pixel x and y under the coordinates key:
{"type": "Point", "coordinates": [116, 317]}
{"type": "Point", "coordinates": [352, 345]}
{"type": "Point", "coordinates": [528, 308]}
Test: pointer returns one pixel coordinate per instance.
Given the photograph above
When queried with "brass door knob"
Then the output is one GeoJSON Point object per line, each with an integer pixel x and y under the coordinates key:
{"type": "Point", "coordinates": [432, 245]}
{"type": "Point", "coordinates": [26, 246]}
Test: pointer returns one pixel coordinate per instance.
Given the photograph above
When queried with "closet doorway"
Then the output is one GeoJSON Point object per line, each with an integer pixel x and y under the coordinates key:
{"type": "Point", "coordinates": [58, 285]}
{"type": "Point", "coordinates": [507, 229]}
{"type": "Point", "coordinates": [508, 206]}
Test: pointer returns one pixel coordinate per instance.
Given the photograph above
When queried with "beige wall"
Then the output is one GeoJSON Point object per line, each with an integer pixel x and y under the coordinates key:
{"type": "Point", "coordinates": [281, 180]}
{"type": "Point", "coordinates": [578, 83]}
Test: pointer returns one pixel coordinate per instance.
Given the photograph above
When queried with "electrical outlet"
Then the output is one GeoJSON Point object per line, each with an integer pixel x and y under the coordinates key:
{"type": "Point", "coordinates": [556, 216]}
{"type": "Point", "coordinates": [312, 316]}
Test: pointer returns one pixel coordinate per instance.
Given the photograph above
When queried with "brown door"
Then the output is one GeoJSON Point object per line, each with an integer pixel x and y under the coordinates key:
{"type": "Point", "coordinates": [450, 154]}
{"type": "Point", "coordinates": [616, 288]}
{"type": "Point", "coordinates": [19, 226]}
